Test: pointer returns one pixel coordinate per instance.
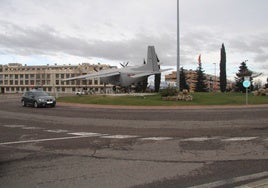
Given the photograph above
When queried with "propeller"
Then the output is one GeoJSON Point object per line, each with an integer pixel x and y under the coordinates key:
{"type": "Point", "coordinates": [95, 69]}
{"type": "Point", "coordinates": [124, 64]}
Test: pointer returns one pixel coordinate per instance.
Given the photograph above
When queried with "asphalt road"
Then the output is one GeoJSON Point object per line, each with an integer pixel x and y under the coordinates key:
{"type": "Point", "coordinates": [73, 146]}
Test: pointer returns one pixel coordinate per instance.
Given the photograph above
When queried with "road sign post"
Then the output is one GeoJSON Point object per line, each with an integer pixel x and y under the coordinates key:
{"type": "Point", "coordinates": [246, 84]}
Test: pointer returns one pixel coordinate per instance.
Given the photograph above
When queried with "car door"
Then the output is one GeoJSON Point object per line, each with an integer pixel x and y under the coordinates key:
{"type": "Point", "coordinates": [26, 97]}
{"type": "Point", "coordinates": [31, 98]}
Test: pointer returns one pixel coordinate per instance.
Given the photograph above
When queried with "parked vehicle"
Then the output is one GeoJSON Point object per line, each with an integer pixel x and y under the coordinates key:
{"type": "Point", "coordinates": [37, 98]}
{"type": "Point", "coordinates": [80, 92]}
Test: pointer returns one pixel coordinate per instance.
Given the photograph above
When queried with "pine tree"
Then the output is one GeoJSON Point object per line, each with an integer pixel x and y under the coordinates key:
{"type": "Point", "coordinates": [183, 83]}
{"type": "Point", "coordinates": [240, 77]}
{"type": "Point", "coordinates": [223, 81]}
{"type": "Point", "coordinates": [200, 85]}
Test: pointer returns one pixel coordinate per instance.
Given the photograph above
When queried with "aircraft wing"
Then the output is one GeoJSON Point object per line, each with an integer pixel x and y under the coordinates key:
{"type": "Point", "coordinates": [148, 73]}
{"type": "Point", "coordinates": [103, 73]}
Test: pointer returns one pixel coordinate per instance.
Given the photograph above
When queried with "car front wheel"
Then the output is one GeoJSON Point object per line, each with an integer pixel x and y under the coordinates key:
{"type": "Point", "coordinates": [35, 104]}
{"type": "Point", "coordinates": [23, 103]}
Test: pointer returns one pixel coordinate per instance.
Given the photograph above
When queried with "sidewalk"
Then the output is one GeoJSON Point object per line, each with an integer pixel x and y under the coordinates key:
{"type": "Point", "coordinates": [263, 183]}
{"type": "Point", "coordinates": [185, 107]}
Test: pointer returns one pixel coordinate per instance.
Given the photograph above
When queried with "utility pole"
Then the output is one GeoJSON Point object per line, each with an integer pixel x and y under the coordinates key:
{"type": "Point", "coordinates": [178, 45]}
{"type": "Point", "coordinates": [215, 78]}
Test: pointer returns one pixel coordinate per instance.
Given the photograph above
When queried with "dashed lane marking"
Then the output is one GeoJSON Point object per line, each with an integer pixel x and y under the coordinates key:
{"type": "Point", "coordinates": [157, 138]}
{"type": "Point", "coordinates": [31, 128]}
{"type": "Point", "coordinates": [119, 136]}
{"type": "Point", "coordinates": [88, 134]}
{"type": "Point", "coordinates": [234, 139]}
{"type": "Point", "coordinates": [199, 139]}
{"type": "Point", "coordinates": [42, 140]}
{"type": "Point", "coordinates": [57, 131]}
{"type": "Point", "coordinates": [14, 126]}
{"type": "Point", "coordinates": [101, 135]}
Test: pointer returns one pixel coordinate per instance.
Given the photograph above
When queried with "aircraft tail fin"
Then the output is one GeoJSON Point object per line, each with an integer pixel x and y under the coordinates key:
{"type": "Point", "coordinates": [152, 60]}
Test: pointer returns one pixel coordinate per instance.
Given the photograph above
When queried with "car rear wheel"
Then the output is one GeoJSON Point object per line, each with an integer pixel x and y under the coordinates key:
{"type": "Point", "coordinates": [35, 104]}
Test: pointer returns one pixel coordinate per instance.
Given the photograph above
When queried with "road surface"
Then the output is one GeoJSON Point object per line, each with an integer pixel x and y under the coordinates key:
{"type": "Point", "coordinates": [85, 146]}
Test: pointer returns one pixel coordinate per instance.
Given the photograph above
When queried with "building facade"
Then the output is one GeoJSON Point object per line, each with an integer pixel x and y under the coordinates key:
{"type": "Point", "coordinates": [212, 81]}
{"type": "Point", "coordinates": [17, 78]}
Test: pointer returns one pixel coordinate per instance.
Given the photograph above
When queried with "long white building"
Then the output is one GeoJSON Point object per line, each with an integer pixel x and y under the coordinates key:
{"type": "Point", "coordinates": [17, 78]}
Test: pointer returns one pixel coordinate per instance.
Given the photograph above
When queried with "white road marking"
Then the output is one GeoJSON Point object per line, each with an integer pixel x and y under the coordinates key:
{"type": "Point", "coordinates": [232, 180]}
{"type": "Point", "coordinates": [199, 139]}
{"type": "Point", "coordinates": [88, 134]}
{"type": "Point", "coordinates": [31, 128]}
{"type": "Point", "coordinates": [234, 139]}
{"type": "Point", "coordinates": [56, 131]}
{"type": "Point", "coordinates": [14, 126]}
{"type": "Point", "coordinates": [42, 140]}
{"type": "Point", "coordinates": [92, 134]}
{"type": "Point", "coordinates": [119, 136]}
{"type": "Point", "coordinates": [157, 138]}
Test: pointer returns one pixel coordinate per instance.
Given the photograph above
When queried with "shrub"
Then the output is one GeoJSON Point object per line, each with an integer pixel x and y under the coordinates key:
{"type": "Point", "coordinates": [169, 91]}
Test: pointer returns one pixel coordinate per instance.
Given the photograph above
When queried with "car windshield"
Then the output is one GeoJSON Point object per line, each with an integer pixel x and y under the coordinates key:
{"type": "Point", "coordinates": [40, 93]}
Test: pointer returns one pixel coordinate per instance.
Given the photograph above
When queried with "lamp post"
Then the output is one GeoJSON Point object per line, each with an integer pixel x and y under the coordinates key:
{"type": "Point", "coordinates": [215, 77]}
{"type": "Point", "coordinates": [178, 45]}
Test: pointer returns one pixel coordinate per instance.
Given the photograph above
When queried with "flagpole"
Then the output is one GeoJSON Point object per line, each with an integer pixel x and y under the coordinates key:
{"type": "Point", "coordinates": [178, 45]}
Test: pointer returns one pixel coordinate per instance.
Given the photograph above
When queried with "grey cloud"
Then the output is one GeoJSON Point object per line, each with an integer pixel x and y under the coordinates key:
{"type": "Point", "coordinates": [45, 40]}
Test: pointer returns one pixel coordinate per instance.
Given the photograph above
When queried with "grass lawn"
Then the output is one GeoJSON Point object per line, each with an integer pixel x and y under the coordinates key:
{"type": "Point", "coordinates": [155, 100]}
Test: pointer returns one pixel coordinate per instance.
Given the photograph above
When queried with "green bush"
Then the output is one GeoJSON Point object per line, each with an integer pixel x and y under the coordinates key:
{"type": "Point", "coordinates": [169, 91]}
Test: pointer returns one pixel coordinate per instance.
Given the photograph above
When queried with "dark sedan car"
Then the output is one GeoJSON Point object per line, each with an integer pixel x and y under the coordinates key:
{"type": "Point", "coordinates": [37, 98]}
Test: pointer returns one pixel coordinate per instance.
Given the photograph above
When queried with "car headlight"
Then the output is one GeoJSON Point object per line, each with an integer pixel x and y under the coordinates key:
{"type": "Point", "coordinates": [41, 100]}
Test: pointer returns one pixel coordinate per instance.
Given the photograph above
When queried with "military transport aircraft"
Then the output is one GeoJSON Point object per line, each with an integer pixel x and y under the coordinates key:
{"type": "Point", "coordinates": [128, 75]}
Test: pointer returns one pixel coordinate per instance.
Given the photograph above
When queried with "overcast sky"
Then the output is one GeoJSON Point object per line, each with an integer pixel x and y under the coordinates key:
{"type": "Point", "coordinates": [38, 32]}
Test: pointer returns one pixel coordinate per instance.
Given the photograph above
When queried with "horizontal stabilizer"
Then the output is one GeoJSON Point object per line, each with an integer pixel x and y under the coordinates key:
{"type": "Point", "coordinates": [148, 73]}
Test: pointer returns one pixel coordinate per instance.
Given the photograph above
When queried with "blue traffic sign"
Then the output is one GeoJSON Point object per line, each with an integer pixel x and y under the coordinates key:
{"type": "Point", "coordinates": [246, 83]}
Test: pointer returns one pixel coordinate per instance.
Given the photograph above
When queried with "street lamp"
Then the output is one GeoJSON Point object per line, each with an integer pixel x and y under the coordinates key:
{"type": "Point", "coordinates": [178, 45]}
{"type": "Point", "coordinates": [215, 79]}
